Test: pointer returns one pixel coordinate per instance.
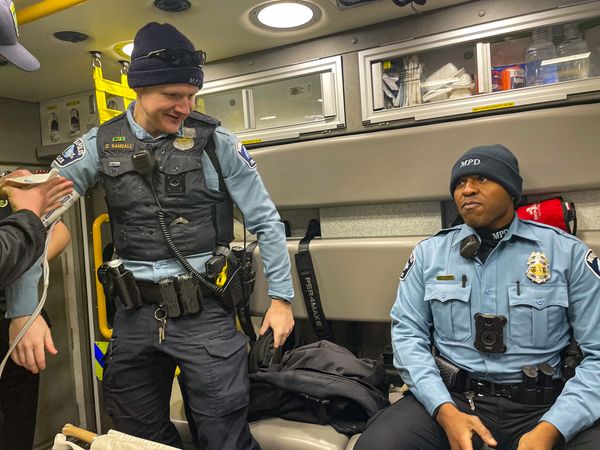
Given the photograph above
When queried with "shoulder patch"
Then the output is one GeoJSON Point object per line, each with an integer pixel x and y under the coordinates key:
{"type": "Point", "coordinates": [243, 154]}
{"type": "Point", "coordinates": [591, 260]}
{"type": "Point", "coordinates": [409, 264]}
{"type": "Point", "coordinates": [72, 154]}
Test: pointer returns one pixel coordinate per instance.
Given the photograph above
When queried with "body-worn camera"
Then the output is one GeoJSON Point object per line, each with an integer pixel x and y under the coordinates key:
{"type": "Point", "coordinates": [489, 333]}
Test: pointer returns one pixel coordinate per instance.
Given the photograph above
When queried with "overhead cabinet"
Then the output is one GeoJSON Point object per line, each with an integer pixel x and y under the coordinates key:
{"type": "Point", "coordinates": [278, 104]}
{"type": "Point", "coordinates": [524, 60]}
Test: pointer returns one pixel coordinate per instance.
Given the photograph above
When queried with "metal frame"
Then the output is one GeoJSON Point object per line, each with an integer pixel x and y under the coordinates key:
{"type": "Point", "coordinates": [473, 34]}
{"type": "Point", "coordinates": [91, 308]}
{"type": "Point", "coordinates": [331, 71]}
{"type": "Point", "coordinates": [73, 302]}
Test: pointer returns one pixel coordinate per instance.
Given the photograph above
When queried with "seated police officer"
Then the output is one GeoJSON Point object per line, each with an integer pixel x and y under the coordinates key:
{"type": "Point", "coordinates": [499, 298]}
{"type": "Point", "coordinates": [170, 175]}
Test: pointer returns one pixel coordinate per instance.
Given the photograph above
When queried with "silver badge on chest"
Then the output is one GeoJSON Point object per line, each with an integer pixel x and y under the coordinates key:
{"type": "Point", "coordinates": [538, 268]}
{"type": "Point", "coordinates": [183, 143]}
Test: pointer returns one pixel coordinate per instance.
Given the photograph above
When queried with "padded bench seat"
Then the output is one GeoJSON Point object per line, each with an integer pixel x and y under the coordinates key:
{"type": "Point", "coordinates": [275, 433]}
{"type": "Point", "coordinates": [280, 434]}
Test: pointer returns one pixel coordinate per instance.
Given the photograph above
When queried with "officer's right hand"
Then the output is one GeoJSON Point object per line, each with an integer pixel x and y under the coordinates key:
{"type": "Point", "coordinates": [461, 427]}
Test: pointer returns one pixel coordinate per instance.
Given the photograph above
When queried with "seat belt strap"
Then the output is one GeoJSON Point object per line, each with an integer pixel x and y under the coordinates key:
{"type": "Point", "coordinates": [308, 281]}
{"type": "Point", "coordinates": [214, 159]}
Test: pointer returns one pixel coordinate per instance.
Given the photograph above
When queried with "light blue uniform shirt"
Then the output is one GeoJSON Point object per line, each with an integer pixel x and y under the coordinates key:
{"type": "Point", "coordinates": [244, 184]}
{"type": "Point", "coordinates": [430, 309]}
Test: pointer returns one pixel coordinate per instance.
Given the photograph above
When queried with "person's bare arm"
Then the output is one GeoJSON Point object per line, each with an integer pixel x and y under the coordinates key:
{"type": "Point", "coordinates": [59, 240]}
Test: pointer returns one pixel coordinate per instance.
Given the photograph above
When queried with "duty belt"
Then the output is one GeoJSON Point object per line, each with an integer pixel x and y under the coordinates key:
{"type": "Point", "coordinates": [535, 390]}
{"type": "Point", "coordinates": [514, 392]}
{"type": "Point", "coordinates": [150, 292]}
{"type": "Point", "coordinates": [494, 389]}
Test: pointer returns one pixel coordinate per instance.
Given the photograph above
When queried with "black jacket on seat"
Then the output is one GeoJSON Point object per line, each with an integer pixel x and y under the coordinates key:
{"type": "Point", "coordinates": [320, 383]}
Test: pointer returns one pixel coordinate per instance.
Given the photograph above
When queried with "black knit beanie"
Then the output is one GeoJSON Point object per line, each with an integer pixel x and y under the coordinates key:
{"type": "Point", "coordinates": [495, 162]}
{"type": "Point", "coordinates": [154, 71]}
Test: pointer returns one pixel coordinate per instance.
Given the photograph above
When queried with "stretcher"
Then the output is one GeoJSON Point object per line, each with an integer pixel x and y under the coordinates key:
{"type": "Point", "coordinates": [113, 440]}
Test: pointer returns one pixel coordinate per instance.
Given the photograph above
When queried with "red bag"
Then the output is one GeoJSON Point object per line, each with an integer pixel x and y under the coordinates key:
{"type": "Point", "coordinates": [553, 211]}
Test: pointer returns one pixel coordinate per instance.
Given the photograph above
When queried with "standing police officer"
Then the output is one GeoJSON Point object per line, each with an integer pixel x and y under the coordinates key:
{"type": "Point", "coordinates": [170, 174]}
{"type": "Point", "coordinates": [500, 299]}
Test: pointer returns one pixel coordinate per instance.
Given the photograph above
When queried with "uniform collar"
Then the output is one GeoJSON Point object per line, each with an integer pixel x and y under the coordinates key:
{"type": "Point", "coordinates": [517, 228]}
{"type": "Point", "coordinates": [142, 134]}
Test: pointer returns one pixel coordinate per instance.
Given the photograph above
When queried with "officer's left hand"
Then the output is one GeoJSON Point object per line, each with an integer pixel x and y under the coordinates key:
{"type": "Point", "coordinates": [543, 437]}
{"type": "Point", "coordinates": [278, 317]}
{"type": "Point", "coordinates": [29, 352]}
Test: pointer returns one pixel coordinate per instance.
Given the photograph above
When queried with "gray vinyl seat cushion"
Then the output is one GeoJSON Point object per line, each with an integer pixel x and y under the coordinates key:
{"type": "Point", "coordinates": [275, 433]}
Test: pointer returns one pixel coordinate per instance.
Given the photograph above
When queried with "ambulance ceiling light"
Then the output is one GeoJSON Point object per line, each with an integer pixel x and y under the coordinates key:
{"type": "Point", "coordinates": [124, 49]}
{"type": "Point", "coordinates": [285, 15]}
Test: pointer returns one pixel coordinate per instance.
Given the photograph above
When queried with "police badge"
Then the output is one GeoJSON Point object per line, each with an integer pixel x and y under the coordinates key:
{"type": "Point", "coordinates": [538, 269]}
{"type": "Point", "coordinates": [183, 143]}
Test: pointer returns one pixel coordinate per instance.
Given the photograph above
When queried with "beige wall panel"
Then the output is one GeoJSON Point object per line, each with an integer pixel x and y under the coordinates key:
{"type": "Point", "coordinates": [357, 278]}
{"type": "Point", "coordinates": [557, 149]}
{"type": "Point", "coordinates": [20, 131]}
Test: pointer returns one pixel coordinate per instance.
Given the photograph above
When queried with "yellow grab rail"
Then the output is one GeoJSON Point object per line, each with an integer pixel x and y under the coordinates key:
{"type": "Point", "coordinates": [105, 331]}
{"type": "Point", "coordinates": [103, 86]}
{"type": "Point", "coordinates": [43, 9]}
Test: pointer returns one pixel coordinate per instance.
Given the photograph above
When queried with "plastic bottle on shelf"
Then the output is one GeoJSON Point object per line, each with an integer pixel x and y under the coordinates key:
{"type": "Point", "coordinates": [573, 46]}
{"type": "Point", "coordinates": [541, 49]}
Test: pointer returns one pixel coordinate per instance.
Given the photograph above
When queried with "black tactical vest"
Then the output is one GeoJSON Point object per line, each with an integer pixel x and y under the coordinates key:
{"type": "Point", "coordinates": [197, 217]}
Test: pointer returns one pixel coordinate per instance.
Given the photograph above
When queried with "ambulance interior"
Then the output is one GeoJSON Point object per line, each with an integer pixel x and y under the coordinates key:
{"type": "Point", "coordinates": [354, 120]}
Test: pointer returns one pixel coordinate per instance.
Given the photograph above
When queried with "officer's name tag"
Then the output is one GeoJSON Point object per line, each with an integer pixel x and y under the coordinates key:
{"type": "Point", "coordinates": [445, 277]}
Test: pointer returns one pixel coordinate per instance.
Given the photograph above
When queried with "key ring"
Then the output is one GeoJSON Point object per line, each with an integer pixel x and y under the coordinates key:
{"type": "Point", "coordinates": [160, 314]}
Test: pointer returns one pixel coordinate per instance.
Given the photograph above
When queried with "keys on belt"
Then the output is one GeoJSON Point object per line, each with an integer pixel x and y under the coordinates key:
{"type": "Point", "coordinates": [161, 317]}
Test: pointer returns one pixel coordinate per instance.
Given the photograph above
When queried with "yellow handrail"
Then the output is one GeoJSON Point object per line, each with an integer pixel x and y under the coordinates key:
{"type": "Point", "coordinates": [105, 331]}
{"type": "Point", "coordinates": [104, 86]}
{"type": "Point", "coordinates": [43, 9]}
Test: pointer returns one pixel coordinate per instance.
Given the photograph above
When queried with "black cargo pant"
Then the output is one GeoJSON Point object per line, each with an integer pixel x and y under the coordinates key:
{"type": "Point", "coordinates": [18, 400]}
{"type": "Point", "coordinates": [406, 425]}
{"type": "Point", "coordinates": [138, 376]}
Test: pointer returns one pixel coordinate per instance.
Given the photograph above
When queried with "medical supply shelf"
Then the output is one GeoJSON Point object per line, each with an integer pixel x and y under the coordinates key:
{"type": "Point", "coordinates": [524, 60]}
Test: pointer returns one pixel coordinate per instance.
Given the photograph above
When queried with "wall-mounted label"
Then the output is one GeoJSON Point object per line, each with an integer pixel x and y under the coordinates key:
{"type": "Point", "coordinates": [492, 107]}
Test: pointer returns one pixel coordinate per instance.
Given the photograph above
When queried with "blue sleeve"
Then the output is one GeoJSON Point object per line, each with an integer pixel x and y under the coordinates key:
{"type": "Point", "coordinates": [22, 295]}
{"type": "Point", "coordinates": [248, 192]}
{"type": "Point", "coordinates": [411, 338]}
{"type": "Point", "coordinates": [578, 406]}
{"type": "Point", "coordinates": [79, 163]}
